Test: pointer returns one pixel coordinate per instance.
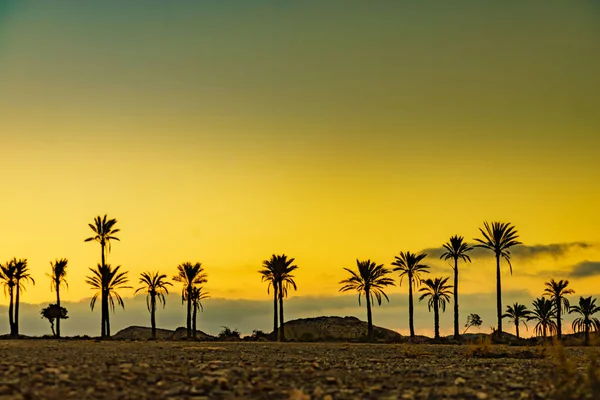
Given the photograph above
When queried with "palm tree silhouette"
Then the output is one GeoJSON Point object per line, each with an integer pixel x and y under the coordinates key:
{"type": "Point", "coordinates": [22, 275]}
{"type": "Point", "coordinates": [543, 313]}
{"type": "Point", "coordinates": [269, 274]}
{"type": "Point", "coordinates": [517, 313]}
{"type": "Point", "coordinates": [197, 296]}
{"type": "Point", "coordinates": [155, 286]}
{"type": "Point", "coordinates": [106, 281]}
{"type": "Point", "coordinates": [285, 280]}
{"type": "Point", "coordinates": [499, 237]}
{"type": "Point", "coordinates": [7, 275]}
{"type": "Point", "coordinates": [104, 232]}
{"type": "Point", "coordinates": [58, 277]}
{"type": "Point", "coordinates": [456, 249]}
{"type": "Point", "coordinates": [439, 294]}
{"type": "Point", "coordinates": [556, 292]}
{"type": "Point", "coordinates": [370, 281]}
{"type": "Point", "coordinates": [586, 308]}
{"type": "Point", "coordinates": [190, 275]}
{"type": "Point", "coordinates": [409, 266]}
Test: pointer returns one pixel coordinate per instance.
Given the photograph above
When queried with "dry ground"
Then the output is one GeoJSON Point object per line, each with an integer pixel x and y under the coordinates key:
{"type": "Point", "coordinates": [44, 369]}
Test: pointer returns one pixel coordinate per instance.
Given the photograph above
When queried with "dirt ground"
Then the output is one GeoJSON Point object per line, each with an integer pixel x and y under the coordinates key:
{"type": "Point", "coordinates": [69, 369]}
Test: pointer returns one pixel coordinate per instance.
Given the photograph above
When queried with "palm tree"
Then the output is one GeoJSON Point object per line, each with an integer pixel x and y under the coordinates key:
{"type": "Point", "coordinates": [556, 292]}
{"type": "Point", "coordinates": [285, 280]}
{"type": "Point", "coordinates": [104, 232]}
{"type": "Point", "coordinates": [456, 249]}
{"type": "Point", "coordinates": [370, 281]}
{"type": "Point", "coordinates": [586, 308]}
{"type": "Point", "coordinates": [106, 280]}
{"type": "Point", "coordinates": [156, 288]}
{"type": "Point", "coordinates": [499, 237]}
{"type": "Point", "coordinates": [517, 313]}
{"type": "Point", "coordinates": [439, 294]}
{"type": "Point", "coordinates": [543, 313]}
{"type": "Point", "coordinates": [58, 277]}
{"type": "Point", "coordinates": [190, 275]}
{"type": "Point", "coordinates": [7, 275]}
{"type": "Point", "coordinates": [409, 266]}
{"type": "Point", "coordinates": [22, 275]}
{"type": "Point", "coordinates": [269, 274]}
{"type": "Point", "coordinates": [197, 296]}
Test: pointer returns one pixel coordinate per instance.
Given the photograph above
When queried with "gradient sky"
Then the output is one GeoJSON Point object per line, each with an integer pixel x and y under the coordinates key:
{"type": "Point", "coordinates": [225, 131]}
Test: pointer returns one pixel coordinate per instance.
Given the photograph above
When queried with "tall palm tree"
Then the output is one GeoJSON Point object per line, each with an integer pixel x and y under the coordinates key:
{"type": "Point", "coordinates": [586, 308]}
{"type": "Point", "coordinates": [22, 275]}
{"type": "Point", "coordinates": [104, 231]}
{"type": "Point", "coordinates": [285, 280]}
{"type": "Point", "coordinates": [58, 277]}
{"type": "Point", "coordinates": [106, 280]}
{"type": "Point", "coordinates": [269, 274]}
{"type": "Point", "coordinates": [190, 275]}
{"type": "Point", "coordinates": [155, 286]}
{"type": "Point", "coordinates": [498, 237]}
{"type": "Point", "coordinates": [556, 292]}
{"type": "Point", "coordinates": [456, 249]}
{"type": "Point", "coordinates": [439, 294]}
{"type": "Point", "coordinates": [370, 281]}
{"type": "Point", "coordinates": [517, 313]}
{"type": "Point", "coordinates": [197, 296]}
{"type": "Point", "coordinates": [7, 275]}
{"type": "Point", "coordinates": [410, 266]}
{"type": "Point", "coordinates": [543, 313]}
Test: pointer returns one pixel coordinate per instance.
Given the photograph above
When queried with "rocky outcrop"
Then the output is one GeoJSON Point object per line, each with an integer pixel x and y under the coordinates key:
{"type": "Point", "coordinates": [335, 329]}
{"type": "Point", "coordinates": [144, 333]}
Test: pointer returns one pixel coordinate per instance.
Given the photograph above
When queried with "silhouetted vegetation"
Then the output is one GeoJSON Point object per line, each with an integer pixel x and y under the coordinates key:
{"type": "Point", "coordinates": [58, 277]}
{"type": "Point", "coordinates": [106, 280]}
{"type": "Point", "coordinates": [410, 266]}
{"type": "Point", "coordinates": [228, 334]}
{"type": "Point", "coordinates": [52, 313]}
{"type": "Point", "coordinates": [438, 293]}
{"type": "Point", "coordinates": [190, 275]}
{"type": "Point", "coordinates": [556, 292]}
{"type": "Point", "coordinates": [473, 320]}
{"type": "Point", "coordinates": [586, 322]}
{"type": "Point", "coordinates": [544, 313]}
{"type": "Point", "coordinates": [197, 296]}
{"type": "Point", "coordinates": [155, 285]}
{"type": "Point", "coordinates": [517, 313]}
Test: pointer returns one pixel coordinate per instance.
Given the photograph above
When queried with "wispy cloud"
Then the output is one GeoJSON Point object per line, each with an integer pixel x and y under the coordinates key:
{"type": "Point", "coordinates": [585, 269]}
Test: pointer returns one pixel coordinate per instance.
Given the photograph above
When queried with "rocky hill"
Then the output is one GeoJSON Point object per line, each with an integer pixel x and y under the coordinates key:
{"type": "Point", "coordinates": [334, 329]}
{"type": "Point", "coordinates": [144, 333]}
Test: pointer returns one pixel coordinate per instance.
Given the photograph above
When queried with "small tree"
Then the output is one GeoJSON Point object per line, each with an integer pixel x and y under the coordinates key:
{"type": "Point", "coordinates": [473, 320]}
{"type": "Point", "coordinates": [228, 334]}
{"type": "Point", "coordinates": [54, 312]}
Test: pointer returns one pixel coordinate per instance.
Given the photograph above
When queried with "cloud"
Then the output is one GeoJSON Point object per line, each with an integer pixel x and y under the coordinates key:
{"type": "Point", "coordinates": [524, 252]}
{"type": "Point", "coordinates": [585, 269]}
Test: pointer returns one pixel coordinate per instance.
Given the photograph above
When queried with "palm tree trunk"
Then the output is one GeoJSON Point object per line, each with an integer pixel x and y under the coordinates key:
{"type": "Point", "coordinates": [107, 316]}
{"type": "Point", "coordinates": [52, 326]}
{"type": "Point", "coordinates": [436, 319]}
{"type": "Point", "coordinates": [456, 334]}
{"type": "Point", "coordinates": [189, 312]}
{"type": "Point", "coordinates": [153, 314]}
{"type": "Point", "coordinates": [498, 296]}
{"type": "Point", "coordinates": [558, 319]}
{"type": "Point", "coordinates": [194, 320]}
{"type": "Point", "coordinates": [545, 332]}
{"type": "Point", "coordinates": [369, 316]}
{"type": "Point", "coordinates": [104, 300]}
{"type": "Point", "coordinates": [11, 311]}
{"type": "Point", "coordinates": [517, 327]}
{"type": "Point", "coordinates": [17, 301]}
{"type": "Point", "coordinates": [58, 305]}
{"type": "Point", "coordinates": [275, 324]}
{"type": "Point", "coordinates": [410, 307]}
{"type": "Point", "coordinates": [281, 323]}
{"type": "Point", "coordinates": [587, 334]}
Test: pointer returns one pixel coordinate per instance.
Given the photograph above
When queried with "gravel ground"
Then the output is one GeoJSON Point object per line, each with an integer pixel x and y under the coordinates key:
{"type": "Point", "coordinates": [45, 369]}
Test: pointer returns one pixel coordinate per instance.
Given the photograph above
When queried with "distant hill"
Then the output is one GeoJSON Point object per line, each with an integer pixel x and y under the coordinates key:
{"type": "Point", "coordinates": [144, 333]}
{"type": "Point", "coordinates": [333, 329]}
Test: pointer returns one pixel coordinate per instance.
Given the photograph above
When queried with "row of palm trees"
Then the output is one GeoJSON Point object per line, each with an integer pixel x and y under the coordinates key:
{"type": "Point", "coordinates": [370, 279]}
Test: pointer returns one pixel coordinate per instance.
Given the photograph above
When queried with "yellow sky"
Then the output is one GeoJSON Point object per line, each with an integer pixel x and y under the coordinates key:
{"type": "Point", "coordinates": [357, 135]}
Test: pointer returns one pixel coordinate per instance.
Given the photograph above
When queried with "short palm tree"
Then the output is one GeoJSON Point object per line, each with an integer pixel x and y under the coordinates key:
{"type": "Point", "coordinates": [543, 313]}
{"type": "Point", "coordinates": [155, 286]}
{"type": "Point", "coordinates": [410, 266]}
{"type": "Point", "coordinates": [498, 237]}
{"type": "Point", "coordinates": [556, 292]}
{"type": "Point", "coordinates": [7, 275]}
{"type": "Point", "coordinates": [285, 280]}
{"type": "Point", "coordinates": [438, 292]}
{"type": "Point", "coordinates": [106, 280]}
{"type": "Point", "coordinates": [104, 231]}
{"type": "Point", "coordinates": [456, 249]}
{"type": "Point", "coordinates": [269, 274]}
{"type": "Point", "coordinates": [22, 275]}
{"type": "Point", "coordinates": [587, 308]}
{"type": "Point", "coordinates": [190, 275]}
{"type": "Point", "coordinates": [197, 296]}
{"type": "Point", "coordinates": [370, 281]}
{"type": "Point", "coordinates": [58, 277]}
{"type": "Point", "coordinates": [517, 313]}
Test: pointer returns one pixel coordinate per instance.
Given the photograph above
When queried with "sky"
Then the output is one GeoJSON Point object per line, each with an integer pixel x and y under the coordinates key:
{"type": "Point", "coordinates": [226, 131]}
